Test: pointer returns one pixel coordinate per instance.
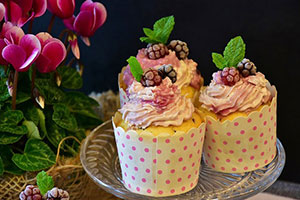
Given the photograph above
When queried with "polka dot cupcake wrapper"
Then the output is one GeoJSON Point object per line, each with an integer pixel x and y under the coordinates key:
{"type": "Point", "coordinates": [162, 165]}
{"type": "Point", "coordinates": [244, 144]}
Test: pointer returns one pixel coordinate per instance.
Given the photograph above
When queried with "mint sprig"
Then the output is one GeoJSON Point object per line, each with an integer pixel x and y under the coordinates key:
{"type": "Point", "coordinates": [233, 54]}
{"type": "Point", "coordinates": [161, 31]}
{"type": "Point", "coordinates": [44, 182]}
{"type": "Point", "coordinates": [135, 68]}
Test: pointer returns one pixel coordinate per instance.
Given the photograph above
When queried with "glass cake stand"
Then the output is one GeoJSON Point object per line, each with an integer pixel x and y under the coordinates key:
{"type": "Point", "coordinates": [100, 160]}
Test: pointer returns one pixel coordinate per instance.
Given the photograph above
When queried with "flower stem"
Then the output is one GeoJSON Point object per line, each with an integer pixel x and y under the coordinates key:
{"type": "Point", "coordinates": [51, 24]}
{"type": "Point", "coordinates": [62, 34]}
{"type": "Point", "coordinates": [30, 26]}
{"type": "Point", "coordinates": [15, 85]}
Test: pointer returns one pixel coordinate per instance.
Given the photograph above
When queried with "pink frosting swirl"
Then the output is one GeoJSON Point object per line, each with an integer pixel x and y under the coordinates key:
{"type": "Point", "coordinates": [186, 70]}
{"type": "Point", "coordinates": [161, 105]}
{"type": "Point", "coordinates": [246, 95]}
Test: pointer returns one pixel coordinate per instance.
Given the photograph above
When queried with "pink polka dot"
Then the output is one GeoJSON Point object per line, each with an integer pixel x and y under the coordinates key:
{"type": "Point", "coordinates": [219, 150]}
{"type": "Point", "coordinates": [256, 165]}
{"type": "Point", "coordinates": [251, 157]}
{"type": "Point", "coordinates": [149, 191]}
{"type": "Point", "coordinates": [136, 169]}
{"type": "Point", "coordinates": [130, 157]}
{"type": "Point", "coordinates": [272, 137]}
{"type": "Point", "coordinates": [192, 185]}
{"type": "Point", "coordinates": [193, 134]}
{"type": "Point", "coordinates": [154, 140]}
{"type": "Point", "coordinates": [240, 159]}
{"type": "Point", "coordinates": [228, 134]}
{"type": "Point", "coordinates": [172, 171]}
{"type": "Point", "coordinates": [180, 159]}
{"type": "Point", "coordinates": [228, 160]}
{"type": "Point", "coordinates": [147, 171]}
{"type": "Point", "coordinates": [133, 178]}
{"type": "Point", "coordinates": [142, 159]}
{"type": "Point", "coordinates": [222, 168]}
{"type": "Point", "coordinates": [154, 161]}
{"type": "Point", "coordinates": [209, 147]}
{"type": "Point", "coordinates": [262, 153]}
{"type": "Point", "coordinates": [262, 134]}
{"type": "Point", "coordinates": [254, 128]}
{"type": "Point", "coordinates": [249, 120]}
{"type": "Point", "coordinates": [123, 145]}
{"type": "Point", "coordinates": [242, 132]}
{"type": "Point", "coordinates": [216, 132]}
{"type": "Point", "coordinates": [183, 188]}
{"type": "Point", "coordinates": [185, 148]}
{"type": "Point", "coordinates": [236, 123]}
{"type": "Point", "coordinates": [191, 155]}
{"type": "Point", "coordinates": [231, 151]}
{"type": "Point", "coordinates": [138, 189]}
{"type": "Point", "coordinates": [181, 139]}
{"type": "Point", "coordinates": [125, 174]}
{"type": "Point", "coordinates": [189, 176]}
{"type": "Point", "coordinates": [193, 165]}
{"type": "Point", "coordinates": [173, 150]}
{"type": "Point", "coordinates": [146, 150]}
{"type": "Point", "coordinates": [256, 146]}
{"type": "Point", "coordinates": [260, 116]}
{"type": "Point", "coordinates": [244, 150]}
{"type": "Point", "coordinates": [272, 118]}
{"type": "Point", "coordinates": [266, 142]}
{"type": "Point", "coordinates": [128, 137]}
{"type": "Point", "coordinates": [225, 142]}
{"type": "Point", "coordinates": [269, 109]}
{"type": "Point", "coordinates": [184, 168]}
{"type": "Point", "coordinates": [238, 142]}
{"type": "Point", "coordinates": [160, 192]}
{"type": "Point", "coordinates": [158, 151]}
{"type": "Point", "coordinates": [213, 140]}
{"type": "Point", "coordinates": [266, 161]}
{"type": "Point", "coordinates": [213, 166]}
{"type": "Point", "coordinates": [144, 180]}
{"type": "Point", "coordinates": [234, 169]}
{"type": "Point", "coordinates": [250, 139]}
{"type": "Point", "coordinates": [140, 139]}
{"type": "Point", "coordinates": [126, 165]}
{"type": "Point", "coordinates": [118, 133]}
{"type": "Point", "coordinates": [167, 161]}
{"type": "Point", "coordinates": [201, 130]}
{"type": "Point", "coordinates": [272, 156]}
{"type": "Point", "coordinates": [168, 181]}
{"type": "Point", "coordinates": [167, 141]}
{"type": "Point", "coordinates": [129, 185]}
{"type": "Point", "coordinates": [245, 168]}
{"type": "Point", "coordinates": [122, 154]}
{"type": "Point", "coordinates": [209, 122]}
{"type": "Point", "coordinates": [217, 158]}
{"type": "Point", "coordinates": [179, 179]}
{"type": "Point", "coordinates": [133, 148]}
{"type": "Point", "coordinates": [195, 143]}
{"type": "Point", "coordinates": [172, 191]}
{"type": "Point", "coordinates": [154, 181]}
{"type": "Point", "coordinates": [265, 123]}
{"type": "Point", "coordinates": [208, 154]}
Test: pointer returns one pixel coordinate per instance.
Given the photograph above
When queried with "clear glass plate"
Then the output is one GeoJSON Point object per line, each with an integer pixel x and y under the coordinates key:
{"type": "Point", "coordinates": [99, 158]}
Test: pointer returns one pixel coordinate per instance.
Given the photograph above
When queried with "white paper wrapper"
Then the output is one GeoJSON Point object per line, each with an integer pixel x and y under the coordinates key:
{"type": "Point", "coordinates": [161, 165]}
{"type": "Point", "coordinates": [244, 144]}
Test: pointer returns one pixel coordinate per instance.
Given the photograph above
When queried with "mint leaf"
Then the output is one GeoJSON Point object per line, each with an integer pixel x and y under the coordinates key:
{"type": "Point", "coordinates": [6, 154]}
{"type": "Point", "coordinates": [234, 51]}
{"type": "Point", "coordinates": [162, 29]}
{"type": "Point", "coordinates": [44, 182]}
{"type": "Point", "coordinates": [64, 118]}
{"type": "Point", "coordinates": [219, 60]}
{"type": "Point", "coordinates": [135, 68]}
{"type": "Point", "coordinates": [33, 131]}
{"type": "Point", "coordinates": [37, 156]}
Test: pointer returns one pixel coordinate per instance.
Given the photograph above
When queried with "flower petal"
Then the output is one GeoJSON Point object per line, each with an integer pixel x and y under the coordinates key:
{"type": "Point", "coordinates": [39, 7]}
{"type": "Point", "coordinates": [86, 41]}
{"type": "Point", "coordinates": [30, 43]}
{"type": "Point", "coordinates": [14, 34]}
{"type": "Point", "coordinates": [42, 63]}
{"type": "Point", "coordinates": [26, 65]}
{"type": "Point", "coordinates": [6, 26]}
{"type": "Point", "coordinates": [67, 7]}
{"type": "Point", "coordinates": [83, 23]}
{"type": "Point", "coordinates": [43, 36]}
{"type": "Point", "coordinates": [2, 45]}
{"type": "Point", "coordinates": [2, 11]}
{"type": "Point", "coordinates": [15, 12]}
{"type": "Point", "coordinates": [24, 20]}
{"type": "Point", "coordinates": [26, 5]}
{"type": "Point", "coordinates": [69, 22]}
{"type": "Point", "coordinates": [15, 55]}
{"type": "Point", "coordinates": [100, 15]}
{"type": "Point", "coordinates": [75, 48]}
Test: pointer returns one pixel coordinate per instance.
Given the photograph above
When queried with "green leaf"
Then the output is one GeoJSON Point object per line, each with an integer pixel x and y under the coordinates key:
{"type": "Point", "coordinates": [33, 131]}
{"type": "Point", "coordinates": [148, 40]}
{"type": "Point", "coordinates": [49, 91]}
{"type": "Point", "coordinates": [71, 79]}
{"type": "Point", "coordinates": [64, 118]}
{"type": "Point", "coordinates": [6, 153]}
{"type": "Point", "coordinates": [55, 133]}
{"type": "Point", "coordinates": [4, 95]}
{"type": "Point", "coordinates": [87, 122]}
{"type": "Point", "coordinates": [21, 97]}
{"type": "Point", "coordinates": [30, 112]}
{"type": "Point", "coordinates": [234, 51]}
{"type": "Point", "coordinates": [37, 156]}
{"type": "Point", "coordinates": [8, 138]}
{"type": "Point", "coordinates": [42, 123]}
{"type": "Point", "coordinates": [13, 129]}
{"type": "Point", "coordinates": [1, 167]}
{"type": "Point", "coordinates": [135, 68]}
{"type": "Point", "coordinates": [44, 182]}
{"type": "Point", "coordinates": [11, 117]}
{"type": "Point", "coordinates": [163, 28]}
{"type": "Point", "coordinates": [219, 60]}
{"type": "Point", "coordinates": [2, 71]}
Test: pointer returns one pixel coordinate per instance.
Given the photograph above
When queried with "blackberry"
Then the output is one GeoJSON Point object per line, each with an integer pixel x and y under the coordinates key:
{"type": "Point", "coordinates": [151, 78]}
{"type": "Point", "coordinates": [168, 71]}
{"type": "Point", "coordinates": [180, 47]}
{"type": "Point", "coordinates": [57, 194]}
{"type": "Point", "coordinates": [230, 76]}
{"type": "Point", "coordinates": [156, 51]}
{"type": "Point", "coordinates": [31, 193]}
{"type": "Point", "coordinates": [246, 67]}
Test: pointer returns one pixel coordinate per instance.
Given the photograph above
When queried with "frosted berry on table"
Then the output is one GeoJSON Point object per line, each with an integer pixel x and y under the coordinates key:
{"type": "Point", "coordinates": [31, 192]}
{"type": "Point", "coordinates": [57, 194]}
{"type": "Point", "coordinates": [156, 51]}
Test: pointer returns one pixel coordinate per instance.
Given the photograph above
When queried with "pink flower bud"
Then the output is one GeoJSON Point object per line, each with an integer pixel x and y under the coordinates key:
{"type": "Point", "coordinates": [62, 8]}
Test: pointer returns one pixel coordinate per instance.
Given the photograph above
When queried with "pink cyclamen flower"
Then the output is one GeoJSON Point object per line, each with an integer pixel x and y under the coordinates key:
{"type": "Point", "coordinates": [21, 11]}
{"type": "Point", "coordinates": [92, 16]}
{"type": "Point", "coordinates": [52, 54]}
{"type": "Point", "coordinates": [62, 8]}
{"type": "Point", "coordinates": [22, 55]}
{"type": "Point", "coordinates": [2, 11]}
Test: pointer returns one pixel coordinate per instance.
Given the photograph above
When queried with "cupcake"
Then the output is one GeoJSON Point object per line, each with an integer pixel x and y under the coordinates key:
{"type": "Point", "coordinates": [240, 110]}
{"type": "Point", "coordinates": [159, 136]}
{"type": "Point", "coordinates": [158, 53]}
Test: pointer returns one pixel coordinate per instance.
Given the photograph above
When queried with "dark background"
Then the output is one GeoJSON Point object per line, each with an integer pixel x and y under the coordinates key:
{"type": "Point", "coordinates": [270, 29]}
